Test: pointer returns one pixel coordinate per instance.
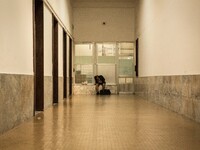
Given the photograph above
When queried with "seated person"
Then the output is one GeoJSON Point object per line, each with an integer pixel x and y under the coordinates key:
{"type": "Point", "coordinates": [99, 80]}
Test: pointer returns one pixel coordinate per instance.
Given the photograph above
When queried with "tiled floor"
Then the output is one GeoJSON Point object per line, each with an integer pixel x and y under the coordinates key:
{"type": "Point", "coordinates": [104, 123]}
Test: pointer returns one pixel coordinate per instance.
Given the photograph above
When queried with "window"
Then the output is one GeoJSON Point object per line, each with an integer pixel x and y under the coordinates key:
{"type": "Point", "coordinates": [106, 53]}
{"type": "Point", "coordinates": [126, 68]}
{"type": "Point", "coordinates": [83, 63]}
{"type": "Point", "coordinates": [106, 61]}
{"type": "Point", "coordinates": [126, 65]}
{"type": "Point", "coordinates": [126, 59]}
{"type": "Point", "coordinates": [108, 71]}
{"type": "Point", "coordinates": [112, 60]}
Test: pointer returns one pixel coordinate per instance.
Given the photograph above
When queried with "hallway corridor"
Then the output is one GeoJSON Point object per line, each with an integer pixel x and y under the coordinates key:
{"type": "Point", "coordinates": [116, 122]}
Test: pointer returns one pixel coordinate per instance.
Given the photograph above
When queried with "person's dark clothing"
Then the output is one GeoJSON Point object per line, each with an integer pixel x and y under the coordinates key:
{"type": "Point", "coordinates": [100, 80]}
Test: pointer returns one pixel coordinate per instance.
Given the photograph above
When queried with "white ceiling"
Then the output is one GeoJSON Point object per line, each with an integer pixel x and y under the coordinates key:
{"type": "Point", "coordinates": [105, 3]}
{"type": "Point", "coordinates": [103, 0]}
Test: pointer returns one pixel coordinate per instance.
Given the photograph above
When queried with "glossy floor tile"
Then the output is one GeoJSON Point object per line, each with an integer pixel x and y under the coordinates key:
{"type": "Point", "coordinates": [115, 122]}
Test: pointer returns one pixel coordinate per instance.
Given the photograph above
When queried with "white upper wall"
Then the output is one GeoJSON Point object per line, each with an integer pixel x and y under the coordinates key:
{"type": "Point", "coordinates": [169, 37]}
{"type": "Point", "coordinates": [16, 34]}
{"type": "Point", "coordinates": [89, 16]}
{"type": "Point", "coordinates": [16, 37]}
{"type": "Point", "coordinates": [63, 9]}
{"type": "Point", "coordinates": [48, 23]}
{"type": "Point", "coordinates": [60, 51]}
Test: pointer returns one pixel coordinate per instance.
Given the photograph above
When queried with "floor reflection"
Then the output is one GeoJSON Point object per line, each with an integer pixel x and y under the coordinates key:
{"type": "Point", "coordinates": [115, 122]}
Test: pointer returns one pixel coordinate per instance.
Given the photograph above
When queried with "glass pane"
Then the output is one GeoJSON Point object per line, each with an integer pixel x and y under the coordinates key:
{"type": "Point", "coordinates": [122, 80]}
{"type": "Point", "coordinates": [83, 53]}
{"type": "Point", "coordinates": [125, 80]}
{"type": "Point", "coordinates": [126, 48]}
{"type": "Point", "coordinates": [106, 53]}
{"type": "Point", "coordinates": [129, 80]}
{"type": "Point", "coordinates": [126, 85]}
{"type": "Point", "coordinates": [83, 60]}
{"type": "Point", "coordinates": [84, 74]}
{"type": "Point", "coordinates": [106, 59]}
{"type": "Point", "coordinates": [108, 71]}
{"type": "Point", "coordinates": [126, 66]}
{"type": "Point", "coordinates": [83, 49]}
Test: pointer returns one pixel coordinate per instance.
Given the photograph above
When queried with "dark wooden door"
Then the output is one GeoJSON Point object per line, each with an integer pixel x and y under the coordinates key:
{"type": "Point", "coordinates": [137, 58]}
{"type": "Point", "coordinates": [38, 55]}
{"type": "Point", "coordinates": [64, 64]}
{"type": "Point", "coordinates": [55, 60]}
{"type": "Point", "coordinates": [70, 67]}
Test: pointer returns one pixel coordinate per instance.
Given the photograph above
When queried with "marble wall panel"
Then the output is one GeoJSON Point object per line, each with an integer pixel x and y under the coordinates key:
{"type": "Point", "coordinates": [196, 109]}
{"type": "Point", "coordinates": [60, 88]}
{"type": "Point", "coordinates": [68, 81]}
{"type": "Point", "coordinates": [188, 108]}
{"type": "Point", "coordinates": [48, 91]}
{"type": "Point", "coordinates": [90, 89]}
{"type": "Point", "coordinates": [180, 94]}
{"type": "Point", "coordinates": [84, 89]}
{"type": "Point", "coordinates": [16, 100]}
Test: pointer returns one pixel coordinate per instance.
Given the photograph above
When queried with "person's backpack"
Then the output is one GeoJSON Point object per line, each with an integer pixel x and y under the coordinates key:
{"type": "Point", "coordinates": [105, 92]}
